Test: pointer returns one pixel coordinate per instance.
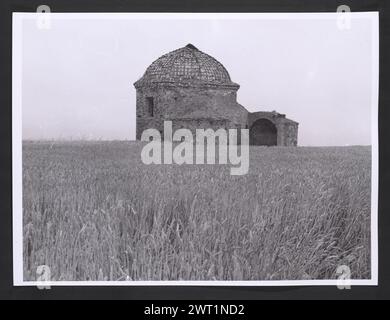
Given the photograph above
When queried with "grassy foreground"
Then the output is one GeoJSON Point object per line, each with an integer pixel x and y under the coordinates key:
{"type": "Point", "coordinates": [93, 211]}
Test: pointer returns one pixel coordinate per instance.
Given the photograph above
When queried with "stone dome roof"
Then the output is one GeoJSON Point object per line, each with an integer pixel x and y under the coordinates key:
{"type": "Point", "coordinates": [186, 66]}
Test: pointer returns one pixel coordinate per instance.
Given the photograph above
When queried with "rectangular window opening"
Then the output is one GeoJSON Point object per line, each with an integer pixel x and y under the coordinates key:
{"type": "Point", "coordinates": [150, 106]}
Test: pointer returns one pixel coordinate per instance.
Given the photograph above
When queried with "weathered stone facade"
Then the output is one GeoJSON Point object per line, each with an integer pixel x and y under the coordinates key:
{"type": "Point", "coordinates": [194, 91]}
{"type": "Point", "coordinates": [286, 129]}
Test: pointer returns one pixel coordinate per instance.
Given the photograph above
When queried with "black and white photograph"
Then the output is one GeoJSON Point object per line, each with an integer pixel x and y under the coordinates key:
{"type": "Point", "coordinates": [195, 148]}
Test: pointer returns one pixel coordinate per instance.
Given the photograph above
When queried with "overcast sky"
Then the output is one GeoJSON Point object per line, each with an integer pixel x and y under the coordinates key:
{"type": "Point", "coordinates": [78, 76]}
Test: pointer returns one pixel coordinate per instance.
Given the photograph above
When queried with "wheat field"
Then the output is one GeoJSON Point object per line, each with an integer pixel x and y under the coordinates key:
{"type": "Point", "coordinates": [93, 211]}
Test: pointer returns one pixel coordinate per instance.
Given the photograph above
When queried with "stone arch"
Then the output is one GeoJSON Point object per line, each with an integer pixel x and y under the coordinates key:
{"type": "Point", "coordinates": [263, 132]}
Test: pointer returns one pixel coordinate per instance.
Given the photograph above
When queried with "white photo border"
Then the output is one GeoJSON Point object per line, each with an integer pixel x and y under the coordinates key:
{"type": "Point", "coordinates": [17, 185]}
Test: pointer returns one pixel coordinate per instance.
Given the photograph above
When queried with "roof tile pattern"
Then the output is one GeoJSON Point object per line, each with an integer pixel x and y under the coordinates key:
{"type": "Point", "coordinates": [186, 65]}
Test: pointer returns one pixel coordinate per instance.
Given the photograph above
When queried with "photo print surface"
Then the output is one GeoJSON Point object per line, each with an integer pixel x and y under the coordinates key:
{"type": "Point", "coordinates": [195, 149]}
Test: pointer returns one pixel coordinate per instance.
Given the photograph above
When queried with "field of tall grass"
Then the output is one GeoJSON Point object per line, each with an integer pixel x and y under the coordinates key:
{"type": "Point", "coordinates": [93, 211]}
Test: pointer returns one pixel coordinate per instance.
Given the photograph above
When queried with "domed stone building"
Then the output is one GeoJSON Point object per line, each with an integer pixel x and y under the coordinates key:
{"type": "Point", "coordinates": [194, 91]}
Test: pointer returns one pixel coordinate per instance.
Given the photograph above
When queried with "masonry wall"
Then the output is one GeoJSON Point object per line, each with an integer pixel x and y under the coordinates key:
{"type": "Point", "coordinates": [190, 124]}
{"type": "Point", "coordinates": [190, 107]}
{"type": "Point", "coordinates": [204, 107]}
{"type": "Point", "coordinates": [287, 130]}
{"type": "Point", "coordinates": [291, 135]}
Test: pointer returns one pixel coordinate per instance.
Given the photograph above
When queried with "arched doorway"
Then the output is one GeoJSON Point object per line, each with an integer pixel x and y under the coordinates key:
{"type": "Point", "coordinates": [263, 133]}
